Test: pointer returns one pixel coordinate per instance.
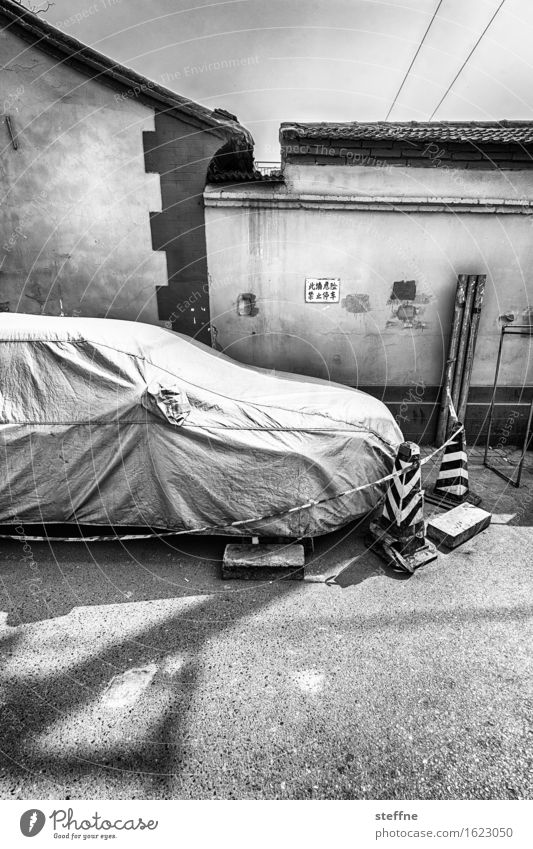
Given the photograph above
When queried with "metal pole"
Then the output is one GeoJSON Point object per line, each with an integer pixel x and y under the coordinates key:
{"type": "Point", "coordinates": [491, 408]}
{"type": "Point", "coordinates": [452, 357]}
{"type": "Point", "coordinates": [471, 347]}
{"type": "Point", "coordinates": [463, 339]}
{"type": "Point", "coordinates": [12, 136]}
{"type": "Point", "coordinates": [513, 330]}
{"type": "Point", "coordinates": [524, 447]}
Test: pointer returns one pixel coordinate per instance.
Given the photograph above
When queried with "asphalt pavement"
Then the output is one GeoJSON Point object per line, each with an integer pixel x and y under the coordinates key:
{"type": "Point", "coordinates": [131, 670]}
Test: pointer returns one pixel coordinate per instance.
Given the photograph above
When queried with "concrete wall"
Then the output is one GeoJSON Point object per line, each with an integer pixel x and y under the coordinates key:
{"type": "Point", "coordinates": [371, 227]}
{"type": "Point", "coordinates": [74, 217]}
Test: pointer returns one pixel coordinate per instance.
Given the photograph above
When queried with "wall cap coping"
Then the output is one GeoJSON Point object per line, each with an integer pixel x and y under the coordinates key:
{"type": "Point", "coordinates": [268, 199]}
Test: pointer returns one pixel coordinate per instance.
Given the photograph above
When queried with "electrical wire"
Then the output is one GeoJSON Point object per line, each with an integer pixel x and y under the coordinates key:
{"type": "Point", "coordinates": [413, 60]}
{"type": "Point", "coordinates": [444, 96]}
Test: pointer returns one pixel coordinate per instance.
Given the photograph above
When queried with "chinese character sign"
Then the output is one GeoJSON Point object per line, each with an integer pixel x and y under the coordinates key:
{"type": "Point", "coordinates": [322, 290]}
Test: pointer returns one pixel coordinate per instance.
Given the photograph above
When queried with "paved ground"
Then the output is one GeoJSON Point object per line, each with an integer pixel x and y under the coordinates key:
{"type": "Point", "coordinates": [134, 671]}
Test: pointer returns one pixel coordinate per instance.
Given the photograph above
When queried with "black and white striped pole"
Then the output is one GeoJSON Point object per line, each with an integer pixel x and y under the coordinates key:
{"type": "Point", "coordinates": [452, 480]}
{"type": "Point", "coordinates": [452, 485]}
{"type": "Point", "coordinates": [399, 534]}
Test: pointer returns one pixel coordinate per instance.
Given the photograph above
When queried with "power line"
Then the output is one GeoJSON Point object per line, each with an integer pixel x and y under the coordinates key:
{"type": "Point", "coordinates": [444, 96]}
{"type": "Point", "coordinates": [413, 60]}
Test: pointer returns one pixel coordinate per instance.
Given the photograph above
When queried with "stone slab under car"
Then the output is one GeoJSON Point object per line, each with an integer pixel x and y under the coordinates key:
{"type": "Point", "coordinates": [262, 562]}
{"type": "Point", "coordinates": [458, 525]}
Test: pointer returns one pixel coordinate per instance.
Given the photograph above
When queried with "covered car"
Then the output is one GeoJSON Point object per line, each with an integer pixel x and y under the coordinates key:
{"type": "Point", "coordinates": [107, 422]}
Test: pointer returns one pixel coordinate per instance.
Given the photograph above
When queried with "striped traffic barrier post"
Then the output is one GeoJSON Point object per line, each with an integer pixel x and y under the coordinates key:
{"type": "Point", "coordinates": [399, 533]}
{"type": "Point", "coordinates": [452, 485]}
{"type": "Point", "coordinates": [403, 511]}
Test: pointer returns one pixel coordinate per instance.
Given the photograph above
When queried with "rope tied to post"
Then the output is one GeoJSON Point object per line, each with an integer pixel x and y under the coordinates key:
{"type": "Point", "coordinates": [240, 522]}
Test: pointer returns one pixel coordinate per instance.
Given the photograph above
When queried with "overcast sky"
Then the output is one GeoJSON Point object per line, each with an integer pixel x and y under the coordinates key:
{"type": "Point", "coordinates": [307, 60]}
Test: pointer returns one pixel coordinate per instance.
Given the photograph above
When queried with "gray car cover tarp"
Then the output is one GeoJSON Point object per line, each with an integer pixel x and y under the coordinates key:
{"type": "Point", "coordinates": [118, 423]}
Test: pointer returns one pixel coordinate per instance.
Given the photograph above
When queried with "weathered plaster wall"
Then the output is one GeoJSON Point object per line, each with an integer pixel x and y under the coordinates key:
{"type": "Point", "coordinates": [329, 223]}
{"type": "Point", "coordinates": [74, 217]}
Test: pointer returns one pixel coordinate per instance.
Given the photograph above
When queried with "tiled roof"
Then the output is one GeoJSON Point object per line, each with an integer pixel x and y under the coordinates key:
{"type": "Point", "coordinates": [474, 132]}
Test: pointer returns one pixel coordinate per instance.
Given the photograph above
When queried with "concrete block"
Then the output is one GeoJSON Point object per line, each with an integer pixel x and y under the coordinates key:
{"type": "Point", "coordinates": [264, 562]}
{"type": "Point", "coordinates": [458, 525]}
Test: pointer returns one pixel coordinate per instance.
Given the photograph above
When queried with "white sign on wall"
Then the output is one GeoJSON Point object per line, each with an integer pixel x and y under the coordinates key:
{"type": "Point", "coordinates": [322, 290]}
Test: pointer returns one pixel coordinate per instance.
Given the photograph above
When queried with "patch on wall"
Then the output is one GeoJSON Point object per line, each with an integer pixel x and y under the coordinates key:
{"type": "Point", "coordinates": [246, 304]}
{"type": "Point", "coordinates": [518, 315]}
{"type": "Point", "coordinates": [357, 303]}
{"type": "Point", "coordinates": [42, 296]}
{"type": "Point", "coordinates": [405, 311]}
{"type": "Point", "coordinates": [527, 316]}
{"type": "Point", "coordinates": [406, 290]}
{"type": "Point", "coordinates": [403, 290]}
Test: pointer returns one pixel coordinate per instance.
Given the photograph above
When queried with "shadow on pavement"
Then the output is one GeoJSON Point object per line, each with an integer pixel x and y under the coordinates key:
{"type": "Point", "coordinates": [55, 577]}
{"type": "Point", "coordinates": [100, 744]}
